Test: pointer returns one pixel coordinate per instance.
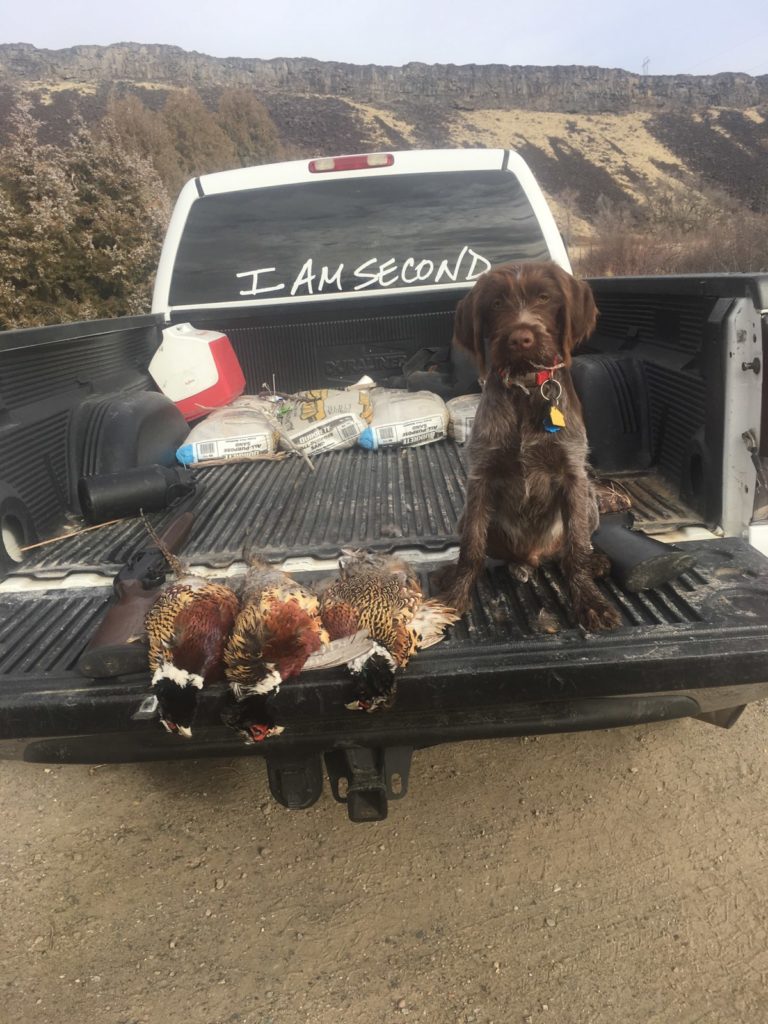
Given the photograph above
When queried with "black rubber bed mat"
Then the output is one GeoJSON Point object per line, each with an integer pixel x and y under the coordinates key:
{"type": "Point", "coordinates": [655, 506]}
{"type": "Point", "coordinates": [386, 500]}
{"type": "Point", "coordinates": [392, 498]}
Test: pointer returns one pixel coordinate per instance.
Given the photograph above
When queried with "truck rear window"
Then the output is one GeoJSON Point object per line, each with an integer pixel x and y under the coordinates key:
{"type": "Point", "coordinates": [353, 235]}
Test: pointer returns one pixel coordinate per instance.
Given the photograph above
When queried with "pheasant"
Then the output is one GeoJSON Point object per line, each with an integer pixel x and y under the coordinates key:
{"type": "Point", "coordinates": [381, 595]}
{"type": "Point", "coordinates": [278, 634]}
{"type": "Point", "coordinates": [187, 628]}
{"type": "Point", "coordinates": [253, 716]}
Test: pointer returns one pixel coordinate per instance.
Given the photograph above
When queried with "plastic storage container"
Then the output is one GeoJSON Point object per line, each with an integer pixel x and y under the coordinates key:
{"type": "Point", "coordinates": [198, 370]}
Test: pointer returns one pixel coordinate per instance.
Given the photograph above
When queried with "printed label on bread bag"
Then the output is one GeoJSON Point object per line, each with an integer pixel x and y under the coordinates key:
{"type": "Point", "coordinates": [413, 432]}
{"type": "Point", "coordinates": [231, 447]}
{"type": "Point", "coordinates": [339, 432]}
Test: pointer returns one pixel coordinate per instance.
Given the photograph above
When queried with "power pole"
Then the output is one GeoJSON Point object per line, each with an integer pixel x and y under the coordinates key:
{"type": "Point", "coordinates": [646, 64]}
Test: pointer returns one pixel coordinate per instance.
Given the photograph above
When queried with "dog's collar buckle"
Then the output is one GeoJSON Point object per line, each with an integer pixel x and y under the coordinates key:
{"type": "Point", "coordinates": [541, 376]}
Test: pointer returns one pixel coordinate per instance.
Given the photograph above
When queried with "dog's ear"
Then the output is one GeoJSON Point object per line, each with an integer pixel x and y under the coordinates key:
{"type": "Point", "coordinates": [468, 323]}
{"type": "Point", "coordinates": [464, 323]}
{"type": "Point", "coordinates": [579, 312]}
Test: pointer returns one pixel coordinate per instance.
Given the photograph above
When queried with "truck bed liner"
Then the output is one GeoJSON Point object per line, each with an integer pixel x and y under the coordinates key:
{"type": "Point", "coordinates": [390, 499]}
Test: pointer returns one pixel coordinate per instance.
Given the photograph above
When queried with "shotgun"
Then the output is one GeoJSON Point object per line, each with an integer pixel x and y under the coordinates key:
{"type": "Point", "coordinates": [118, 647]}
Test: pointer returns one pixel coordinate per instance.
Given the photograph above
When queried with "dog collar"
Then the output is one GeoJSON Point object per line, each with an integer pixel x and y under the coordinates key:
{"type": "Point", "coordinates": [543, 378]}
{"type": "Point", "coordinates": [535, 379]}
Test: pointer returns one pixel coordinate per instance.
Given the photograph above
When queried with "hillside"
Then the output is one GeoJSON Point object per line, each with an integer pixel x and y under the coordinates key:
{"type": "Point", "coordinates": [585, 131]}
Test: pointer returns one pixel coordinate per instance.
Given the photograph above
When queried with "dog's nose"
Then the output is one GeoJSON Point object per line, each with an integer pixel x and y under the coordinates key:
{"type": "Point", "coordinates": [522, 337]}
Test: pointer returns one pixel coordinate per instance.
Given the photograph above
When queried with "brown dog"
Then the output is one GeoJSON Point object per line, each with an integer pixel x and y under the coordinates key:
{"type": "Point", "coordinates": [528, 494]}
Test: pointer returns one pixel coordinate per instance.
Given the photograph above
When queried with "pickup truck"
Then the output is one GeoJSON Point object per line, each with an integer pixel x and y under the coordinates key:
{"type": "Point", "coordinates": [319, 272]}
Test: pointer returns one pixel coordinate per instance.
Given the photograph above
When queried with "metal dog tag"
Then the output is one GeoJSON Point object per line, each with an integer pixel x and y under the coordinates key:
{"type": "Point", "coordinates": [556, 417]}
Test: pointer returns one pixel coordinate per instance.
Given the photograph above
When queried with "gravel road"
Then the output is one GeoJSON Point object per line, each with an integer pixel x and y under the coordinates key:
{"type": "Point", "coordinates": [603, 878]}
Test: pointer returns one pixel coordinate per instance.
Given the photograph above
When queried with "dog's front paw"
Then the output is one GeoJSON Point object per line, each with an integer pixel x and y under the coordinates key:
{"type": "Point", "coordinates": [459, 594]}
{"type": "Point", "coordinates": [453, 584]}
{"type": "Point", "coordinates": [598, 615]}
{"type": "Point", "coordinates": [600, 564]}
{"type": "Point", "coordinates": [520, 573]}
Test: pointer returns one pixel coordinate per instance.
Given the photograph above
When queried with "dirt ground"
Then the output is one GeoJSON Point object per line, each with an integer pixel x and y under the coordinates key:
{"type": "Point", "coordinates": [603, 878]}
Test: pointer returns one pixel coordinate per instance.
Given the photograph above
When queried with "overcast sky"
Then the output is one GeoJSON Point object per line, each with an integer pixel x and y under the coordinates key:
{"type": "Point", "coordinates": [674, 36]}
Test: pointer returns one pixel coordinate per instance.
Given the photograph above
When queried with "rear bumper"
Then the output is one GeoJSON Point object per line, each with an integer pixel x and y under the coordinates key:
{"type": "Point", "coordinates": [143, 741]}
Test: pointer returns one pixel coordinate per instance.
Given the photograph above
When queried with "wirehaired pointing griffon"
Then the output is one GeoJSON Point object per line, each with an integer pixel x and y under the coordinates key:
{"type": "Point", "coordinates": [529, 498]}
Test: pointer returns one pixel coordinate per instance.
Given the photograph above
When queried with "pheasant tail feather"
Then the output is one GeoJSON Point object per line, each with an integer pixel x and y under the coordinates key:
{"type": "Point", "coordinates": [431, 620]}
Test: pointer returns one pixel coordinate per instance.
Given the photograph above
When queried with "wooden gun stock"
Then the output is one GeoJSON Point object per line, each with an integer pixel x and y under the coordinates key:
{"type": "Point", "coordinates": [118, 646]}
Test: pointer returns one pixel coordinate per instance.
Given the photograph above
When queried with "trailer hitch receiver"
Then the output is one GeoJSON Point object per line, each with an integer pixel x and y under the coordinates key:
{"type": "Point", "coordinates": [366, 779]}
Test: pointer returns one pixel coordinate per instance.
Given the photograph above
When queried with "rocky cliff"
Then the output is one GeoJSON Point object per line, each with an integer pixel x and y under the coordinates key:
{"type": "Point", "coordinates": [555, 89]}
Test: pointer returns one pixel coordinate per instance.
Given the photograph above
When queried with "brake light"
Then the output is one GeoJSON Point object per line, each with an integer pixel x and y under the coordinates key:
{"type": "Point", "coordinates": [359, 162]}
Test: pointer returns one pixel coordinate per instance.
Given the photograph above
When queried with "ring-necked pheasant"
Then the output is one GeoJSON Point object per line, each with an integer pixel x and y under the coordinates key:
{"type": "Point", "coordinates": [187, 628]}
{"type": "Point", "coordinates": [276, 630]}
{"type": "Point", "coordinates": [277, 634]}
{"type": "Point", "coordinates": [381, 595]}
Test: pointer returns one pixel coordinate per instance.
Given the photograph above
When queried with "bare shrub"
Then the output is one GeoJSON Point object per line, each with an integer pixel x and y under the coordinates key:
{"type": "Point", "coordinates": [676, 232]}
{"type": "Point", "coordinates": [80, 226]}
